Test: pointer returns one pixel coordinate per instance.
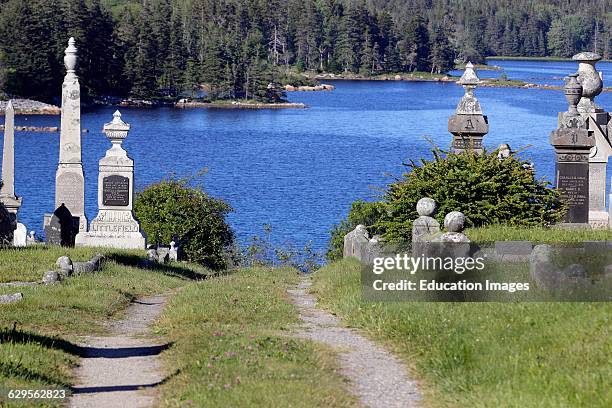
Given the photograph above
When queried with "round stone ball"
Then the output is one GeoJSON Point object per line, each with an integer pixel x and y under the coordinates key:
{"type": "Point", "coordinates": [426, 207]}
{"type": "Point", "coordinates": [64, 263]}
{"type": "Point", "coordinates": [454, 221]}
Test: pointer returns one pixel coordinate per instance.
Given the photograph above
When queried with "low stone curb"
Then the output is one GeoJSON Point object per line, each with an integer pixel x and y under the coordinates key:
{"type": "Point", "coordinates": [7, 299]}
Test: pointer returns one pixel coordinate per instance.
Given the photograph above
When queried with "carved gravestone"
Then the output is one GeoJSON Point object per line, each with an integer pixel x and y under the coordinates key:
{"type": "Point", "coordinates": [572, 147]}
{"type": "Point", "coordinates": [115, 225]}
{"type": "Point", "coordinates": [62, 228]}
{"type": "Point", "coordinates": [7, 226]}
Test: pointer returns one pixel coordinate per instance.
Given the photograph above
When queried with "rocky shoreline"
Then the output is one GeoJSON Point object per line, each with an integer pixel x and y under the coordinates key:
{"type": "Point", "coordinates": [31, 107]}
{"type": "Point", "coordinates": [240, 105]}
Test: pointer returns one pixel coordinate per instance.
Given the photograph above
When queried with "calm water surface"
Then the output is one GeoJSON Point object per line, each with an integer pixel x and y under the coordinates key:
{"type": "Point", "coordinates": [297, 170]}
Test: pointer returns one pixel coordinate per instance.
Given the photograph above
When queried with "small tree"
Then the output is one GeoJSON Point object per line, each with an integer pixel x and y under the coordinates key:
{"type": "Point", "coordinates": [486, 189]}
{"type": "Point", "coordinates": [172, 208]}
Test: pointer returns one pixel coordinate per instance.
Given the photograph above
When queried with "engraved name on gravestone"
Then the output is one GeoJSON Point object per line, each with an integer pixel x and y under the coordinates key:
{"type": "Point", "coordinates": [68, 189]}
{"type": "Point", "coordinates": [116, 191]}
{"type": "Point", "coordinates": [572, 146]}
{"type": "Point", "coordinates": [573, 182]}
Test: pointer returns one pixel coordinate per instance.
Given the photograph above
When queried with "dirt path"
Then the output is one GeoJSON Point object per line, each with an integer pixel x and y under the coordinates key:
{"type": "Point", "coordinates": [376, 377]}
{"type": "Point", "coordinates": [122, 369]}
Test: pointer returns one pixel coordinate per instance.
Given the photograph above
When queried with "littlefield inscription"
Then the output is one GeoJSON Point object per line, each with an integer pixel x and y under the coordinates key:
{"type": "Point", "coordinates": [116, 191]}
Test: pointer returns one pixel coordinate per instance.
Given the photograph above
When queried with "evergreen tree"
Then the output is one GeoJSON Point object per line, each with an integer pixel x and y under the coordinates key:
{"type": "Point", "coordinates": [442, 54]}
{"type": "Point", "coordinates": [416, 46]}
{"type": "Point", "coordinates": [142, 68]}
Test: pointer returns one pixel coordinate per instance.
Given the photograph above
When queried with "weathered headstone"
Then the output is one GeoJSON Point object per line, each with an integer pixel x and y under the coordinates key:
{"type": "Point", "coordinates": [7, 226]}
{"type": "Point", "coordinates": [425, 224]}
{"type": "Point", "coordinates": [597, 123]}
{"type": "Point", "coordinates": [69, 179]}
{"type": "Point", "coordinates": [7, 190]}
{"type": "Point", "coordinates": [354, 241]}
{"type": "Point", "coordinates": [468, 125]}
{"type": "Point", "coordinates": [20, 236]}
{"type": "Point", "coordinates": [115, 225]}
{"type": "Point", "coordinates": [62, 228]}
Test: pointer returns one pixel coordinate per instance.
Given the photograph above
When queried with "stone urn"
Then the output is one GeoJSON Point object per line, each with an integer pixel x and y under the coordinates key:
{"type": "Point", "coordinates": [573, 93]}
{"type": "Point", "coordinates": [70, 56]}
{"type": "Point", "coordinates": [589, 78]}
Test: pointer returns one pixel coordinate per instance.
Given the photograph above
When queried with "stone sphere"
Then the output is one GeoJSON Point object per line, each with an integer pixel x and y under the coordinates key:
{"type": "Point", "coordinates": [64, 263]}
{"type": "Point", "coordinates": [454, 221]}
{"type": "Point", "coordinates": [426, 207]}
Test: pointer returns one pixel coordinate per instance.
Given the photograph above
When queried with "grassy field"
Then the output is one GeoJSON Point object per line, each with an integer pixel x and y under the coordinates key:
{"type": "Point", "coordinates": [231, 347]}
{"type": "Point", "coordinates": [536, 235]}
{"type": "Point", "coordinates": [486, 354]}
{"type": "Point", "coordinates": [237, 323]}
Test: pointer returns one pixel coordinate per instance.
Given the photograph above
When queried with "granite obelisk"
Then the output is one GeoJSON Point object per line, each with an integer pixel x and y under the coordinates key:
{"type": "Point", "coordinates": [7, 192]}
{"type": "Point", "coordinates": [69, 179]}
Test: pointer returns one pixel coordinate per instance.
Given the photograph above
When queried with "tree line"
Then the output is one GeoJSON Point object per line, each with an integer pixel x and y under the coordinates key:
{"type": "Point", "coordinates": [237, 48]}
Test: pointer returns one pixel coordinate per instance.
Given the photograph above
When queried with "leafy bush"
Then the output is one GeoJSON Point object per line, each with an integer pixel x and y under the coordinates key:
{"type": "Point", "coordinates": [362, 212]}
{"type": "Point", "coordinates": [487, 190]}
{"type": "Point", "coordinates": [172, 208]}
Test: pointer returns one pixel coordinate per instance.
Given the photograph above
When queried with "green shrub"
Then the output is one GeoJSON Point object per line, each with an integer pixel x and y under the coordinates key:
{"type": "Point", "coordinates": [362, 212]}
{"type": "Point", "coordinates": [172, 208]}
{"type": "Point", "coordinates": [487, 190]}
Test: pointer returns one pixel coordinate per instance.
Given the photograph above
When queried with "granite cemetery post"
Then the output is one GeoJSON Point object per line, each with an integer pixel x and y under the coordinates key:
{"type": "Point", "coordinates": [115, 225]}
{"type": "Point", "coordinates": [69, 179]}
{"type": "Point", "coordinates": [573, 142]}
{"type": "Point", "coordinates": [468, 125]}
{"type": "Point", "coordinates": [7, 192]}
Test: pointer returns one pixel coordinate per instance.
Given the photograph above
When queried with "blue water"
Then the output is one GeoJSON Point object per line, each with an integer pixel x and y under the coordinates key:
{"type": "Point", "coordinates": [540, 72]}
{"type": "Point", "coordinates": [297, 170]}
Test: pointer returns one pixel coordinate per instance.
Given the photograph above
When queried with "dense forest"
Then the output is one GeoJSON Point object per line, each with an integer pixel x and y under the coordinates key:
{"type": "Point", "coordinates": [236, 48]}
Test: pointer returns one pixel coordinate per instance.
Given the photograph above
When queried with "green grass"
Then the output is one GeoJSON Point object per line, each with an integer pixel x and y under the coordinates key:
{"type": "Point", "coordinates": [29, 264]}
{"type": "Point", "coordinates": [231, 347]}
{"type": "Point", "coordinates": [40, 352]}
{"type": "Point", "coordinates": [486, 354]}
{"type": "Point", "coordinates": [238, 323]}
{"type": "Point", "coordinates": [536, 235]}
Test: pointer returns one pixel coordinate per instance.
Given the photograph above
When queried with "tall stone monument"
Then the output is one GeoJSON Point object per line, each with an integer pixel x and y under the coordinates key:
{"type": "Point", "coordinates": [573, 143]}
{"type": "Point", "coordinates": [598, 123]}
{"type": "Point", "coordinates": [468, 125]}
{"type": "Point", "coordinates": [69, 179]}
{"type": "Point", "coordinates": [7, 192]}
{"type": "Point", "coordinates": [115, 225]}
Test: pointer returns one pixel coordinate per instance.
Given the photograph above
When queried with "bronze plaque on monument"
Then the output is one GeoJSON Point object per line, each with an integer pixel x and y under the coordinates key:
{"type": "Point", "coordinates": [116, 191]}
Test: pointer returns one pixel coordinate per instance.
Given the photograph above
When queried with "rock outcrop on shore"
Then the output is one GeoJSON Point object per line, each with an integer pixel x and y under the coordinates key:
{"type": "Point", "coordinates": [307, 88]}
{"type": "Point", "coordinates": [239, 105]}
{"type": "Point", "coordinates": [31, 107]}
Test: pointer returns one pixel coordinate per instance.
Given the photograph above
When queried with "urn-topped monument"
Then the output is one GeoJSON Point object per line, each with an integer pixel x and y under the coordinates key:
{"type": "Point", "coordinates": [115, 225]}
{"type": "Point", "coordinates": [573, 143]}
{"type": "Point", "coordinates": [597, 122]}
{"type": "Point", "coordinates": [468, 125]}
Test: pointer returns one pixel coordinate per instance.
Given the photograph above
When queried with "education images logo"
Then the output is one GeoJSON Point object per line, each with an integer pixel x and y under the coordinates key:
{"type": "Point", "coordinates": [403, 264]}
